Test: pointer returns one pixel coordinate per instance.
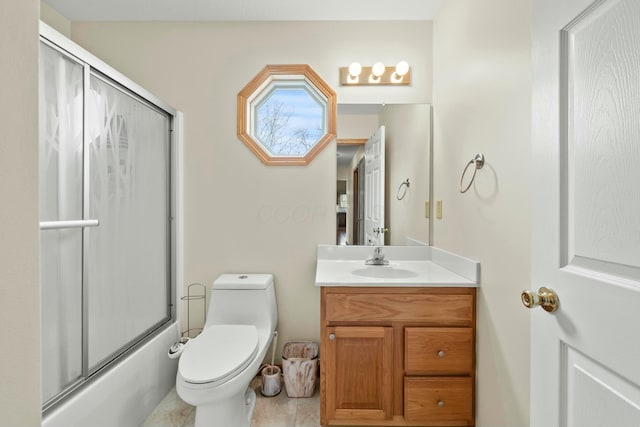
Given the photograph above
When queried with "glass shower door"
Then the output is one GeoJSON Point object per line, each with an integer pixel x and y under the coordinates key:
{"type": "Point", "coordinates": [105, 220]}
{"type": "Point", "coordinates": [60, 157]}
{"type": "Point", "coordinates": [128, 255]}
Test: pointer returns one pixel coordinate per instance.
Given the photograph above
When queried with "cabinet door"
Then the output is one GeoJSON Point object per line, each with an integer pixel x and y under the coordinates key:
{"type": "Point", "coordinates": [359, 373]}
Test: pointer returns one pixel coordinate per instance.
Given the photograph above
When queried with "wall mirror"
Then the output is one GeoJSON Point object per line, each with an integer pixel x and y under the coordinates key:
{"type": "Point", "coordinates": [286, 115]}
{"type": "Point", "coordinates": [402, 195]}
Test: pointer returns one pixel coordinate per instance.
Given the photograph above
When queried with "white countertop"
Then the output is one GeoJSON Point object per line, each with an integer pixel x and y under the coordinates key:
{"type": "Point", "coordinates": [409, 266]}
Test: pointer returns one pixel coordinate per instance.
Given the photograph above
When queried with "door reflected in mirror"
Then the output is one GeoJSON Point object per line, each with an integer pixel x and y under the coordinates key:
{"type": "Point", "coordinates": [373, 206]}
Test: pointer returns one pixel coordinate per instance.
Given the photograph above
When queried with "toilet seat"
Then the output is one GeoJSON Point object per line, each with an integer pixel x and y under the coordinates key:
{"type": "Point", "coordinates": [218, 353]}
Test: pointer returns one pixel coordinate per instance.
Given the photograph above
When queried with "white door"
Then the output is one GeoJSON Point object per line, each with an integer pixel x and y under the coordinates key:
{"type": "Point", "coordinates": [585, 357]}
{"type": "Point", "coordinates": [374, 189]}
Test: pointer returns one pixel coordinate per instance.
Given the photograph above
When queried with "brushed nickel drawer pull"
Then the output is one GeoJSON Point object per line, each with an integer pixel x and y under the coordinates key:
{"type": "Point", "coordinates": [441, 353]}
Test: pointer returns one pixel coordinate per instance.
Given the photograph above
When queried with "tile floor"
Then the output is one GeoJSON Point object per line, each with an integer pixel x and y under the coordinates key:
{"type": "Point", "coordinates": [277, 411]}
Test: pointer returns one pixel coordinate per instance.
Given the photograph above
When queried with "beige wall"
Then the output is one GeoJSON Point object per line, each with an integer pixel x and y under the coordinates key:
{"type": "Point", "coordinates": [55, 19]}
{"type": "Point", "coordinates": [482, 104]}
{"type": "Point", "coordinates": [19, 288]}
{"type": "Point", "coordinates": [241, 216]}
{"type": "Point", "coordinates": [357, 125]}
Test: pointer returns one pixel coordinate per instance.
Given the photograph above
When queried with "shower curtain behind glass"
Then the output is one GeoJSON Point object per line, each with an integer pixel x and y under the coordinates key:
{"type": "Point", "coordinates": [105, 220]}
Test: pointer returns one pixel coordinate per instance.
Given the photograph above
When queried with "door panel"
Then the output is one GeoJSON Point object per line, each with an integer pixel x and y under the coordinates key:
{"type": "Point", "coordinates": [615, 401]}
{"type": "Point", "coordinates": [374, 154]}
{"type": "Point", "coordinates": [602, 95]}
{"type": "Point", "coordinates": [359, 373]}
{"type": "Point", "coordinates": [586, 213]}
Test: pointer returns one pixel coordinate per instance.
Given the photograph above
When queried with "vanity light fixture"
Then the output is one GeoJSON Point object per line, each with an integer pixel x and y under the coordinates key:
{"type": "Point", "coordinates": [378, 74]}
{"type": "Point", "coordinates": [402, 68]}
{"type": "Point", "coordinates": [378, 69]}
{"type": "Point", "coordinates": [355, 69]}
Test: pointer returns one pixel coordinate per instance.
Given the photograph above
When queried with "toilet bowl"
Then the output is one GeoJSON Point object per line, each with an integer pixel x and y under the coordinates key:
{"type": "Point", "coordinates": [215, 369]}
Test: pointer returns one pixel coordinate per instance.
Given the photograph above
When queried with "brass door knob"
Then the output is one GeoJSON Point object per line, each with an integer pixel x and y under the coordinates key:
{"type": "Point", "coordinates": [545, 298]}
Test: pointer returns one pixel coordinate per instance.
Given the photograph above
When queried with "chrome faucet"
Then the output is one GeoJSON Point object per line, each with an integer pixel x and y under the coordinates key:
{"type": "Point", "coordinates": [378, 258]}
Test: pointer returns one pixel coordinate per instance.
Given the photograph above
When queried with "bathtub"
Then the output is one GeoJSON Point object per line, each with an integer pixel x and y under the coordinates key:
{"type": "Point", "coordinates": [127, 394]}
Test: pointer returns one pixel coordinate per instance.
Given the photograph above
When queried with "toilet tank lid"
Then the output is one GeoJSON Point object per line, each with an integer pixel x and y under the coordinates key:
{"type": "Point", "coordinates": [243, 281]}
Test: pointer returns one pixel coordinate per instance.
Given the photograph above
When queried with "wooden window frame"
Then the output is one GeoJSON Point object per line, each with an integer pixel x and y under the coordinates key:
{"type": "Point", "coordinates": [261, 82]}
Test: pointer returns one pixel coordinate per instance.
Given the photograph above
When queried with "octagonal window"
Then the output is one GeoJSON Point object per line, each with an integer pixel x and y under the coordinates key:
{"type": "Point", "coordinates": [286, 115]}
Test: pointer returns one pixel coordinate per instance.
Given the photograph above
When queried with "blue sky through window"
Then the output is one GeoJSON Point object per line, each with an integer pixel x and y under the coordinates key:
{"type": "Point", "coordinates": [289, 121]}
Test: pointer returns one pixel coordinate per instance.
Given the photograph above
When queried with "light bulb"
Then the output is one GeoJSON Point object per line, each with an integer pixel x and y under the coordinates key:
{"type": "Point", "coordinates": [402, 68]}
{"type": "Point", "coordinates": [355, 69]}
{"type": "Point", "coordinates": [378, 69]}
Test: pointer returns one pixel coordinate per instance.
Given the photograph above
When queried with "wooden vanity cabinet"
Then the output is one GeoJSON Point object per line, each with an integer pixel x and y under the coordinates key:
{"type": "Point", "coordinates": [397, 356]}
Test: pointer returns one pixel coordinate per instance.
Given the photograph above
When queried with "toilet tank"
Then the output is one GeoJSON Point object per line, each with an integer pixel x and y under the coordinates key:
{"type": "Point", "coordinates": [243, 299]}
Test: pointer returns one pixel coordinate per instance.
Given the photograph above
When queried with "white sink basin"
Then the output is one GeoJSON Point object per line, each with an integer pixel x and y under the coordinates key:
{"type": "Point", "coordinates": [384, 272]}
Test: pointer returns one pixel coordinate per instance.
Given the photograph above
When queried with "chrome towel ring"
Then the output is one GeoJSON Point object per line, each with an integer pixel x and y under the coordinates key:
{"type": "Point", "coordinates": [478, 162]}
{"type": "Point", "coordinates": [405, 184]}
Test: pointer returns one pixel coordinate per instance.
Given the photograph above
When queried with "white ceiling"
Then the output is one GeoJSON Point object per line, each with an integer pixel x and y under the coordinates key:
{"type": "Point", "coordinates": [246, 10]}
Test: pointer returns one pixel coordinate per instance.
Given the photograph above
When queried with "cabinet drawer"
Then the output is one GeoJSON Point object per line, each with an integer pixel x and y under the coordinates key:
{"type": "Point", "coordinates": [437, 309]}
{"type": "Point", "coordinates": [439, 401]}
{"type": "Point", "coordinates": [438, 351]}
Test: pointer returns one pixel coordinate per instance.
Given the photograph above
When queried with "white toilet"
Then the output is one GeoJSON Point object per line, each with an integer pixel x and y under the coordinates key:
{"type": "Point", "coordinates": [216, 367]}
